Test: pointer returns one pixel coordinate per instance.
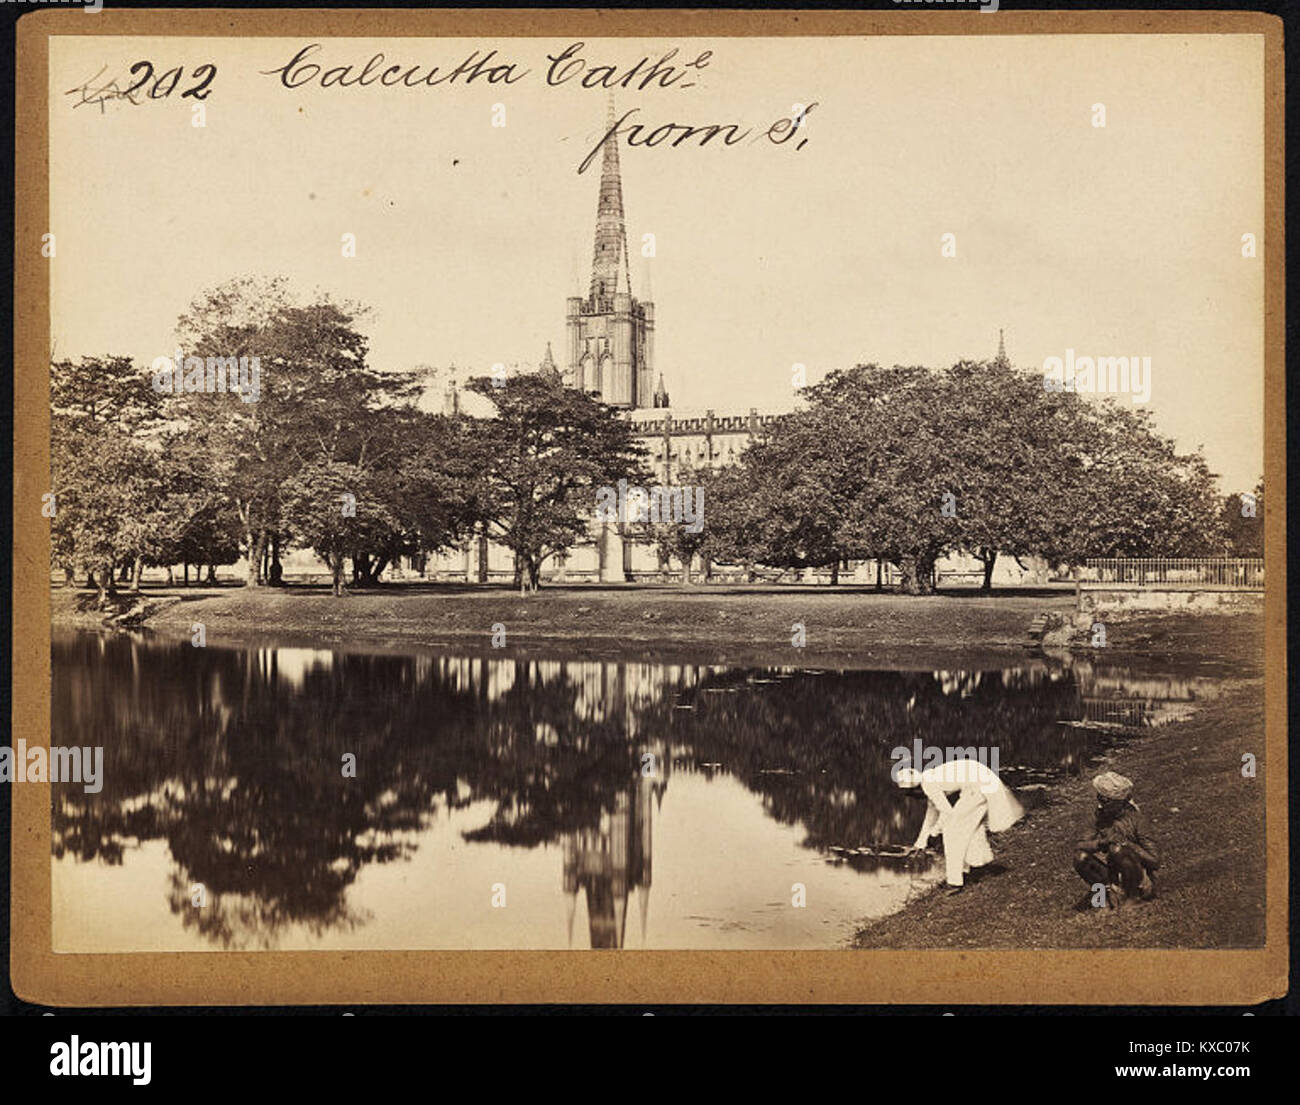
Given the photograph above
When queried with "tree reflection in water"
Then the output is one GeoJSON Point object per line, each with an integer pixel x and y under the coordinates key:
{"type": "Point", "coordinates": [233, 758]}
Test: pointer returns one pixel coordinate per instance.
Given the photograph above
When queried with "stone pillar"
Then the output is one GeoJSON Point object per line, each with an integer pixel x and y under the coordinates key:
{"type": "Point", "coordinates": [611, 558]}
{"type": "Point", "coordinates": [573, 345]}
{"type": "Point", "coordinates": [622, 387]}
{"type": "Point", "coordinates": [646, 398]}
{"type": "Point", "coordinates": [668, 449]}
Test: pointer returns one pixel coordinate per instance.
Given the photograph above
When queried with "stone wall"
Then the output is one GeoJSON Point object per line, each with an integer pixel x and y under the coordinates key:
{"type": "Point", "coordinates": [1192, 600]}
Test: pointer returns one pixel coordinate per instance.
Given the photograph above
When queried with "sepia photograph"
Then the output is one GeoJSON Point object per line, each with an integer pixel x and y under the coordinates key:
{"type": "Point", "coordinates": [585, 491]}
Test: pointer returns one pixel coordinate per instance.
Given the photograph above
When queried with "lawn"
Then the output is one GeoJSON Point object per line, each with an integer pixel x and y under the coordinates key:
{"type": "Point", "coordinates": [841, 626]}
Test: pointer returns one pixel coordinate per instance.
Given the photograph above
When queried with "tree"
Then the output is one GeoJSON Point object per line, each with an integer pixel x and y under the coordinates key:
{"type": "Point", "coordinates": [333, 508]}
{"type": "Point", "coordinates": [1130, 492]}
{"type": "Point", "coordinates": [890, 473]}
{"type": "Point", "coordinates": [106, 391]}
{"type": "Point", "coordinates": [420, 467]}
{"type": "Point", "coordinates": [104, 464]}
{"type": "Point", "coordinates": [905, 464]}
{"type": "Point", "coordinates": [732, 530]}
{"type": "Point", "coordinates": [1008, 444]}
{"type": "Point", "coordinates": [1243, 523]}
{"type": "Point", "coordinates": [316, 393]}
{"type": "Point", "coordinates": [157, 479]}
{"type": "Point", "coordinates": [541, 460]}
{"type": "Point", "coordinates": [106, 484]}
{"type": "Point", "coordinates": [677, 537]}
{"type": "Point", "coordinates": [795, 479]}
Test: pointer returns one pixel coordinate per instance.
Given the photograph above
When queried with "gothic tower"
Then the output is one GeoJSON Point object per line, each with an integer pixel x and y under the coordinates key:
{"type": "Point", "coordinates": [547, 368]}
{"type": "Point", "coordinates": [611, 333]}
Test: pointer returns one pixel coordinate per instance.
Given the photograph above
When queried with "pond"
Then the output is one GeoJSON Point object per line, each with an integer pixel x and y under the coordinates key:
{"type": "Point", "coordinates": [292, 798]}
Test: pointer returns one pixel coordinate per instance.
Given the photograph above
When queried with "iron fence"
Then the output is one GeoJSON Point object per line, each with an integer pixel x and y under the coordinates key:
{"type": "Point", "coordinates": [1225, 572]}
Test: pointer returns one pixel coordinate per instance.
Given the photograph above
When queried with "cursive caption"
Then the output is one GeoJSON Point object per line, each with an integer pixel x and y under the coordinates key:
{"type": "Point", "coordinates": [312, 66]}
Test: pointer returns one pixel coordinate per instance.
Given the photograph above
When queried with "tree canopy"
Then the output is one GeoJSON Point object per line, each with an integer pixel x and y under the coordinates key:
{"type": "Point", "coordinates": [906, 464]}
{"type": "Point", "coordinates": [901, 465]}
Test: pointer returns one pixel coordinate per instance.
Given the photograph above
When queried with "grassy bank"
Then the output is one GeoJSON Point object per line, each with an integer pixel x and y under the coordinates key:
{"type": "Point", "coordinates": [1207, 820]}
{"type": "Point", "coordinates": [843, 626]}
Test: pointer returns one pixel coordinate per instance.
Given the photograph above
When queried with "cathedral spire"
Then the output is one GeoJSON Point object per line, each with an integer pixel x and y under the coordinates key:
{"type": "Point", "coordinates": [609, 334]}
{"type": "Point", "coordinates": [1002, 350]}
{"type": "Point", "coordinates": [609, 257]}
{"type": "Point", "coordinates": [661, 393]}
{"type": "Point", "coordinates": [548, 369]}
{"type": "Point", "coordinates": [451, 392]}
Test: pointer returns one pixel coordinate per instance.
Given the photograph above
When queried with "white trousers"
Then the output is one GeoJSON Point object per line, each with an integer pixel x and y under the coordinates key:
{"type": "Point", "coordinates": [965, 839]}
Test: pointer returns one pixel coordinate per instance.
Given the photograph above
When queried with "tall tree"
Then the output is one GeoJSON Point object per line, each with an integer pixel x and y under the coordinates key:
{"type": "Point", "coordinates": [896, 497]}
{"type": "Point", "coordinates": [906, 464]}
{"type": "Point", "coordinates": [1130, 492]}
{"type": "Point", "coordinates": [104, 465]}
{"type": "Point", "coordinates": [541, 460]}
{"type": "Point", "coordinates": [314, 396]}
{"type": "Point", "coordinates": [666, 524]}
{"type": "Point", "coordinates": [1007, 447]}
{"type": "Point", "coordinates": [1243, 523]}
{"type": "Point", "coordinates": [419, 468]}
{"type": "Point", "coordinates": [334, 509]}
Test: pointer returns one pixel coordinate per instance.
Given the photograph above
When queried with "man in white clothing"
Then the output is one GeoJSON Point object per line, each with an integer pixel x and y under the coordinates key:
{"type": "Point", "coordinates": [983, 805]}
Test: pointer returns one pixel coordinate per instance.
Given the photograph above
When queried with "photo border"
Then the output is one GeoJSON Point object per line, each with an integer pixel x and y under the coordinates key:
{"type": "Point", "coordinates": [1056, 977]}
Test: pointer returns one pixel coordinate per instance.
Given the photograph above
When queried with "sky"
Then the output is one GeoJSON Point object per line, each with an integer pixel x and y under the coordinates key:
{"type": "Point", "coordinates": [824, 251]}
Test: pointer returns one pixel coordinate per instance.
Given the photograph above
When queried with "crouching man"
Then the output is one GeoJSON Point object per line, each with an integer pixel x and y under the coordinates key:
{"type": "Point", "coordinates": [1119, 855]}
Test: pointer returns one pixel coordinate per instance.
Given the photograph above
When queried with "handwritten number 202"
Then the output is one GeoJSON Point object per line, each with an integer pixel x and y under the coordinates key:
{"type": "Point", "coordinates": [199, 91]}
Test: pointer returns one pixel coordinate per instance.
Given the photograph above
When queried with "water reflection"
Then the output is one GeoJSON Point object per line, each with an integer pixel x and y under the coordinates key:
{"type": "Point", "coordinates": [225, 772]}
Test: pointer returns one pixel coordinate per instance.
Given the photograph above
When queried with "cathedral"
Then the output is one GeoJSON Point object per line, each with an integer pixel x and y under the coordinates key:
{"type": "Point", "coordinates": [609, 353]}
